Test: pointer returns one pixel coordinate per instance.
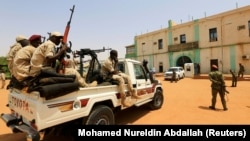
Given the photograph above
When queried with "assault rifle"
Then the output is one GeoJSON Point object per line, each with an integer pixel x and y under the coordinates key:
{"type": "Point", "coordinates": [224, 90]}
{"type": "Point", "coordinates": [64, 41]}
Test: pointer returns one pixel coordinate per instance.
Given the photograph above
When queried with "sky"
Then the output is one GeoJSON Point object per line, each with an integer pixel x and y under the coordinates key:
{"type": "Point", "coordinates": [101, 23]}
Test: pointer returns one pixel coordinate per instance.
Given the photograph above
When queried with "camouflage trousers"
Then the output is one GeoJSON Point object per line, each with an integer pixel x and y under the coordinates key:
{"type": "Point", "coordinates": [222, 97]}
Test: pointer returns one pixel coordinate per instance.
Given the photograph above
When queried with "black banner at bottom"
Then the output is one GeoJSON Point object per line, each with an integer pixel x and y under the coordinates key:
{"type": "Point", "coordinates": [199, 132]}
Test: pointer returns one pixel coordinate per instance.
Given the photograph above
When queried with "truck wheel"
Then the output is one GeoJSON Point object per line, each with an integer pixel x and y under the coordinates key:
{"type": "Point", "coordinates": [100, 115]}
{"type": "Point", "coordinates": [157, 101]}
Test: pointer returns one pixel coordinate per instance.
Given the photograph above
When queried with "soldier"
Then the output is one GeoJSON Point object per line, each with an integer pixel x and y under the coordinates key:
{"type": "Point", "coordinates": [234, 78]}
{"type": "Point", "coordinates": [241, 70]}
{"type": "Point", "coordinates": [21, 41]}
{"type": "Point", "coordinates": [108, 70]}
{"type": "Point", "coordinates": [173, 76]}
{"type": "Point", "coordinates": [45, 54]}
{"type": "Point", "coordinates": [2, 77]}
{"type": "Point", "coordinates": [23, 57]}
{"type": "Point", "coordinates": [217, 86]}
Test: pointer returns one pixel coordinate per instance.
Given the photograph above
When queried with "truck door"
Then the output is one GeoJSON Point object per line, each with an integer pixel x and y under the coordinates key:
{"type": "Point", "coordinates": [143, 83]}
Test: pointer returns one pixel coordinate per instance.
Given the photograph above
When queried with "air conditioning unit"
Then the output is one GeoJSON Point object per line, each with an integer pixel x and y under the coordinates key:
{"type": "Point", "coordinates": [246, 57]}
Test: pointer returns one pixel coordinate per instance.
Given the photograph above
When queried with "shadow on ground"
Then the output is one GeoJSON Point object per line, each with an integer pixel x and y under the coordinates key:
{"type": "Point", "coordinates": [130, 115]}
{"type": "Point", "coordinates": [207, 108]}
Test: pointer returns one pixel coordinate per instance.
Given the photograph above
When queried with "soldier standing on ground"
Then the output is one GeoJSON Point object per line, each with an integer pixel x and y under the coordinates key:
{"type": "Point", "coordinates": [241, 70]}
{"type": "Point", "coordinates": [2, 77]}
{"type": "Point", "coordinates": [217, 86]}
{"type": "Point", "coordinates": [234, 79]}
{"type": "Point", "coordinates": [173, 76]}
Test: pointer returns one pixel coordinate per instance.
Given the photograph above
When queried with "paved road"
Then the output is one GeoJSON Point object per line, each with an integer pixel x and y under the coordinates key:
{"type": "Point", "coordinates": [185, 102]}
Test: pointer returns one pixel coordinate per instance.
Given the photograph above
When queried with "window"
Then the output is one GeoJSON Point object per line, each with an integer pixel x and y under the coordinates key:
{"type": "Point", "coordinates": [160, 44]}
{"type": "Point", "coordinates": [182, 38]}
{"type": "Point", "coordinates": [213, 34]}
{"type": "Point", "coordinates": [139, 73]}
{"type": "Point", "coordinates": [130, 50]}
{"type": "Point", "coordinates": [241, 27]}
{"type": "Point", "coordinates": [120, 67]}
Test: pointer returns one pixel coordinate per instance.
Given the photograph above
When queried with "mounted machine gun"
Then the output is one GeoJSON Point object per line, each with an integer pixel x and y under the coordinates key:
{"type": "Point", "coordinates": [94, 64]}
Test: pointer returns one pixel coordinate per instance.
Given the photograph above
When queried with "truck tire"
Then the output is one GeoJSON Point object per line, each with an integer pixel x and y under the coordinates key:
{"type": "Point", "coordinates": [100, 115]}
{"type": "Point", "coordinates": [157, 101]}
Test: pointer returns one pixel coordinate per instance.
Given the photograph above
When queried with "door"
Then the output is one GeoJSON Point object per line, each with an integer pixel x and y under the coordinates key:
{"type": "Point", "coordinates": [214, 62]}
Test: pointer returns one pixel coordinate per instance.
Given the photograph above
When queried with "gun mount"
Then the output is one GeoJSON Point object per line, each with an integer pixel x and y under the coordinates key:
{"type": "Point", "coordinates": [94, 65]}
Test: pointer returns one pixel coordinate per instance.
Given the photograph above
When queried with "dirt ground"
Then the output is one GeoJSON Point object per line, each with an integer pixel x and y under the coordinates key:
{"type": "Point", "coordinates": [185, 102]}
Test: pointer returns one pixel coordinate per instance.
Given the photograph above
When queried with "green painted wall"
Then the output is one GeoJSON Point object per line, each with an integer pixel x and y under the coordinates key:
{"type": "Point", "coordinates": [232, 53]}
{"type": "Point", "coordinates": [196, 30]}
{"type": "Point", "coordinates": [197, 56]}
{"type": "Point", "coordinates": [133, 55]}
{"type": "Point", "coordinates": [170, 36]}
{"type": "Point", "coordinates": [171, 59]}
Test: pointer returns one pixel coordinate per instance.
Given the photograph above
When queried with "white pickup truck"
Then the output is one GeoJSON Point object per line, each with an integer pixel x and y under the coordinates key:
{"type": "Point", "coordinates": [35, 112]}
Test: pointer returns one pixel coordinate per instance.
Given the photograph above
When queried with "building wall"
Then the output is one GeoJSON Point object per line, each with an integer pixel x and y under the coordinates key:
{"type": "Point", "coordinates": [233, 42]}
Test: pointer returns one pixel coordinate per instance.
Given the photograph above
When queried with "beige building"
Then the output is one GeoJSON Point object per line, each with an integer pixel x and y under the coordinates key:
{"type": "Point", "coordinates": [222, 39]}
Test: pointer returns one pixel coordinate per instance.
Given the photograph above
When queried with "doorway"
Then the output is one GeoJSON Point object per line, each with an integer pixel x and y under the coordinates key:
{"type": "Point", "coordinates": [182, 60]}
{"type": "Point", "coordinates": [214, 62]}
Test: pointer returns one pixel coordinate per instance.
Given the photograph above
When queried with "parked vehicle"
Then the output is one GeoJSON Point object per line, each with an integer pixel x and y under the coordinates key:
{"type": "Point", "coordinates": [39, 112]}
{"type": "Point", "coordinates": [180, 73]}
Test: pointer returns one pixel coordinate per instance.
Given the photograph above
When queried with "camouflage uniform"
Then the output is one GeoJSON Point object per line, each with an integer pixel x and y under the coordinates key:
{"type": "Point", "coordinates": [217, 85]}
{"type": "Point", "coordinates": [234, 79]}
{"type": "Point", "coordinates": [241, 70]}
{"type": "Point", "coordinates": [174, 76]}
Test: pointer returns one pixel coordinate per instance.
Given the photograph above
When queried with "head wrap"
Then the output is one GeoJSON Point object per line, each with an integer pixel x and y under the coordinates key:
{"type": "Point", "coordinates": [20, 38]}
{"type": "Point", "coordinates": [57, 34]}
